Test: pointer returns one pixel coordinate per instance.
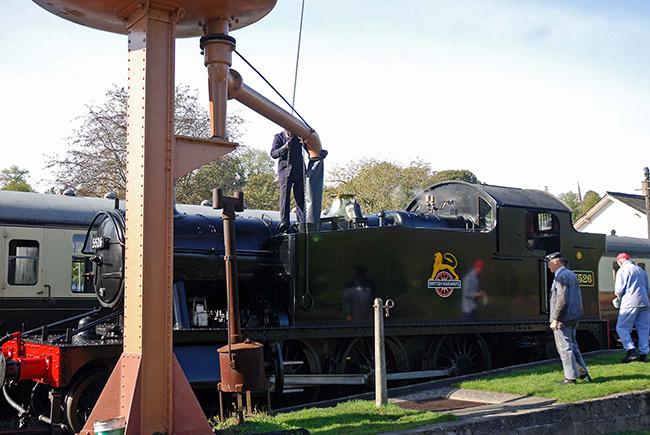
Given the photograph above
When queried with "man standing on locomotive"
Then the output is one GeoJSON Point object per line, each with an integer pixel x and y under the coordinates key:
{"type": "Point", "coordinates": [566, 310]}
{"type": "Point", "coordinates": [288, 149]}
{"type": "Point", "coordinates": [632, 294]}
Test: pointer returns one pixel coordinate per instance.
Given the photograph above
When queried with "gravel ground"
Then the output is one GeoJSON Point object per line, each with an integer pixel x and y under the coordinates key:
{"type": "Point", "coordinates": [9, 423]}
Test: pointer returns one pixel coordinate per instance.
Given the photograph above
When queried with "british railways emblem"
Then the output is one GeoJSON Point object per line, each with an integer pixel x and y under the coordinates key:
{"type": "Point", "coordinates": [444, 278]}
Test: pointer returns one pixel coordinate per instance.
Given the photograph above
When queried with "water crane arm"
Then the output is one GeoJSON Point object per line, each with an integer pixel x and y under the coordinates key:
{"type": "Point", "coordinates": [250, 98]}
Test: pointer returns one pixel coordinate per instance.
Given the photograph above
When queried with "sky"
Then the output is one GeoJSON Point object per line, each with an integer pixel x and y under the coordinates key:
{"type": "Point", "coordinates": [536, 94]}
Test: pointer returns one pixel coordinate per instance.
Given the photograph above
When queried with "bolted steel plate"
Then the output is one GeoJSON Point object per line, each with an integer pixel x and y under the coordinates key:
{"type": "Point", "coordinates": [105, 14]}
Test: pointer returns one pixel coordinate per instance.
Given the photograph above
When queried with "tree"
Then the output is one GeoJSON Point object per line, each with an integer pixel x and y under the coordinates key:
{"type": "Point", "coordinates": [95, 162]}
{"type": "Point", "coordinates": [571, 199]}
{"type": "Point", "coordinates": [579, 207]}
{"type": "Point", "coordinates": [455, 174]}
{"type": "Point", "coordinates": [590, 199]}
{"type": "Point", "coordinates": [15, 179]}
{"type": "Point", "coordinates": [246, 169]}
{"type": "Point", "coordinates": [385, 185]}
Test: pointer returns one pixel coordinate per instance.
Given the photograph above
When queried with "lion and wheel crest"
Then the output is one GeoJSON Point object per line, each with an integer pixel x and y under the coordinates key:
{"type": "Point", "coordinates": [444, 278]}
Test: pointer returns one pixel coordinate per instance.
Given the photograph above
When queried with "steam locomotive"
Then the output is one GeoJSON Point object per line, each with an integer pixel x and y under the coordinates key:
{"type": "Point", "coordinates": [463, 264]}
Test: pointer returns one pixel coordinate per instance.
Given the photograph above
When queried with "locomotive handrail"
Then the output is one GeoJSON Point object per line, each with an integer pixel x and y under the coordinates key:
{"type": "Point", "coordinates": [61, 322]}
{"type": "Point", "coordinates": [6, 338]}
{"type": "Point", "coordinates": [88, 326]}
{"type": "Point", "coordinates": [262, 219]}
{"type": "Point", "coordinates": [543, 291]}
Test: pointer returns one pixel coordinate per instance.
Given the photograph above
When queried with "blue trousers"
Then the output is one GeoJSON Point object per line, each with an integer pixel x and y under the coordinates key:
{"type": "Point", "coordinates": [567, 347]}
{"type": "Point", "coordinates": [298, 186]}
{"type": "Point", "coordinates": [638, 317]}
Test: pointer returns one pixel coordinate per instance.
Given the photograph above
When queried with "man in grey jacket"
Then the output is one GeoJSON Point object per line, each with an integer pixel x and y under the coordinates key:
{"type": "Point", "coordinates": [566, 310]}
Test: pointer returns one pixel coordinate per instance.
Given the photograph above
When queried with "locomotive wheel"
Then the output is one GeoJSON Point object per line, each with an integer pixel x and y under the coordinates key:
{"type": "Point", "coordinates": [358, 357]}
{"type": "Point", "coordinates": [82, 396]}
{"type": "Point", "coordinates": [299, 358]}
{"type": "Point", "coordinates": [466, 354]}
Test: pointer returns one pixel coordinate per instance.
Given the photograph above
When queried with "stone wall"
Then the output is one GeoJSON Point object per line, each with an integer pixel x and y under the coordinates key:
{"type": "Point", "coordinates": [617, 413]}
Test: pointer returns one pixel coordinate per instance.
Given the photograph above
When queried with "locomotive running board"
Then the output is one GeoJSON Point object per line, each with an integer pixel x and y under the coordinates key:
{"type": "Point", "coordinates": [300, 381]}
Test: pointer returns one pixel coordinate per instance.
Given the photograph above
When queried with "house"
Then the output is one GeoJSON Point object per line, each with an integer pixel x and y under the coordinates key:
{"type": "Point", "coordinates": [617, 213]}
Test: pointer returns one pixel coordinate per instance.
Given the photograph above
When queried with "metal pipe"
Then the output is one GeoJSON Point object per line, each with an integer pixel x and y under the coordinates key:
{"type": "Point", "coordinates": [312, 380]}
{"type": "Point", "coordinates": [11, 402]}
{"type": "Point", "coordinates": [381, 387]}
{"type": "Point", "coordinates": [250, 98]}
{"type": "Point", "coordinates": [230, 206]}
{"type": "Point", "coordinates": [646, 193]}
{"type": "Point", "coordinates": [217, 48]}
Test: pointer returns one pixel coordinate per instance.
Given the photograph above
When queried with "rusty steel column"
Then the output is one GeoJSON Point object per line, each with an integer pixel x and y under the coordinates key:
{"type": "Point", "coordinates": [143, 385]}
{"type": "Point", "coordinates": [230, 206]}
{"type": "Point", "coordinates": [149, 213]}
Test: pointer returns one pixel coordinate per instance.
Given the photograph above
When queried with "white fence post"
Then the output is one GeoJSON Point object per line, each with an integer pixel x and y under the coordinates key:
{"type": "Point", "coordinates": [381, 388]}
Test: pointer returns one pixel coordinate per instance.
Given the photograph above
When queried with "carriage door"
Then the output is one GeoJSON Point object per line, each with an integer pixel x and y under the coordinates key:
{"type": "Point", "coordinates": [22, 292]}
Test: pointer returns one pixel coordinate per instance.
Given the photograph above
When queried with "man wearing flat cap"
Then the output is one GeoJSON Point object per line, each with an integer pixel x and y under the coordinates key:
{"type": "Point", "coordinates": [566, 310]}
{"type": "Point", "coordinates": [632, 293]}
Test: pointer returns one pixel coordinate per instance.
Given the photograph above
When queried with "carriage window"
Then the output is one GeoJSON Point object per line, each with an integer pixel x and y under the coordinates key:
{"type": "Point", "coordinates": [80, 264]}
{"type": "Point", "coordinates": [542, 231]}
{"type": "Point", "coordinates": [641, 265]}
{"type": "Point", "coordinates": [485, 221]}
{"type": "Point", "coordinates": [23, 262]}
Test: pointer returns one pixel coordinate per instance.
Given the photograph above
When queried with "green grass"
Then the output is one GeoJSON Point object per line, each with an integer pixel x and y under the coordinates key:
{"type": "Point", "coordinates": [354, 418]}
{"type": "Point", "coordinates": [608, 374]}
{"type": "Point", "coordinates": [362, 417]}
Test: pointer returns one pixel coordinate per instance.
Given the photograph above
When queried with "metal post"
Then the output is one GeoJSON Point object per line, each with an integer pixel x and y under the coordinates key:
{"type": "Point", "coordinates": [646, 192]}
{"type": "Point", "coordinates": [381, 387]}
{"type": "Point", "coordinates": [230, 206]}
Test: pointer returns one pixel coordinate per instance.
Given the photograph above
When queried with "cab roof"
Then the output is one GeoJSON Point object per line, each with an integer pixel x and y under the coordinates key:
{"type": "Point", "coordinates": [461, 192]}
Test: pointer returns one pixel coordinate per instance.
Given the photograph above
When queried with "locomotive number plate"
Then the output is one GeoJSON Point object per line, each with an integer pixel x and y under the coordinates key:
{"type": "Point", "coordinates": [585, 278]}
{"type": "Point", "coordinates": [98, 243]}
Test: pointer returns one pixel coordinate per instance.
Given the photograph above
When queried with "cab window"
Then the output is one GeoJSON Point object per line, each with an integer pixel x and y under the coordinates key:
{"type": "Point", "coordinates": [542, 231]}
{"type": "Point", "coordinates": [80, 265]}
{"type": "Point", "coordinates": [485, 218]}
{"type": "Point", "coordinates": [23, 262]}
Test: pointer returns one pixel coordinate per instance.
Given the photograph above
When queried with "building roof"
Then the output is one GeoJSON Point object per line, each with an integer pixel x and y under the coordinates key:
{"type": "Point", "coordinates": [637, 202]}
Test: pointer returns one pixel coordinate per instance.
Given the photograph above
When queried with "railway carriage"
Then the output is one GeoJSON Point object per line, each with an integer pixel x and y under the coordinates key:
{"type": "Point", "coordinates": [42, 268]}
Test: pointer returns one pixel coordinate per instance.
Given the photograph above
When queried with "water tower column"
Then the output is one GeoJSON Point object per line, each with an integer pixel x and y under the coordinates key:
{"type": "Point", "coordinates": [147, 386]}
{"type": "Point", "coordinates": [149, 210]}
